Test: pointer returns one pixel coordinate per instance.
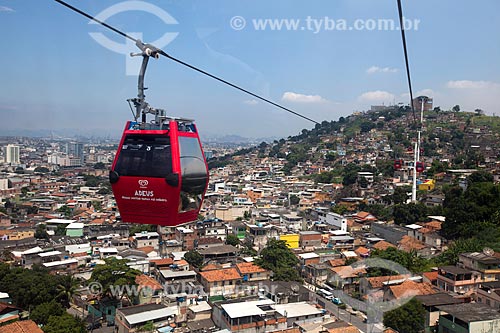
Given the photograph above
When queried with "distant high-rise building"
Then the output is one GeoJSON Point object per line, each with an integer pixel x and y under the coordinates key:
{"type": "Point", "coordinates": [75, 150]}
{"type": "Point", "coordinates": [12, 154]}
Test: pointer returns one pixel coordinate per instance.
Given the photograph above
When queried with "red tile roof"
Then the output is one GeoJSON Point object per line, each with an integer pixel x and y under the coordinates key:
{"type": "Point", "coordinates": [431, 276]}
{"type": "Point", "coordinates": [383, 245]}
{"type": "Point", "coordinates": [408, 243]}
{"type": "Point", "coordinates": [226, 274]}
{"type": "Point", "coordinates": [410, 288]}
{"type": "Point", "coordinates": [390, 330]}
{"type": "Point", "coordinates": [249, 267]}
{"type": "Point", "coordinates": [25, 326]}
{"type": "Point", "coordinates": [145, 281]}
{"type": "Point", "coordinates": [337, 262]}
{"type": "Point", "coordinates": [181, 262]}
{"type": "Point", "coordinates": [146, 249]}
{"type": "Point", "coordinates": [348, 271]}
{"type": "Point", "coordinates": [362, 251]}
{"type": "Point", "coordinates": [436, 225]}
{"type": "Point", "coordinates": [378, 281]}
{"type": "Point", "coordinates": [162, 262]}
{"type": "Point", "coordinates": [346, 329]}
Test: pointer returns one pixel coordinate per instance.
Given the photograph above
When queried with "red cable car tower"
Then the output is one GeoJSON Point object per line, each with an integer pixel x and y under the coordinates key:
{"type": "Point", "coordinates": [159, 174]}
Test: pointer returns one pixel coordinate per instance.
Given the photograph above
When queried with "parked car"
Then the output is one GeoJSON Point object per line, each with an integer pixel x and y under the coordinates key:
{"type": "Point", "coordinates": [336, 300]}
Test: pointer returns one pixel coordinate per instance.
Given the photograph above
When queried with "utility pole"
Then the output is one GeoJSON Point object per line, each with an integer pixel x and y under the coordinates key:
{"type": "Point", "coordinates": [416, 154]}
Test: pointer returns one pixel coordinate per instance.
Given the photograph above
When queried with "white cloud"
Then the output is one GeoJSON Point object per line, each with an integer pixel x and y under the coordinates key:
{"type": "Point", "coordinates": [425, 92]}
{"type": "Point", "coordinates": [376, 96]}
{"type": "Point", "coordinates": [376, 69]}
{"type": "Point", "coordinates": [6, 9]}
{"type": "Point", "coordinates": [301, 98]}
{"type": "Point", "coordinates": [471, 95]}
{"type": "Point", "coordinates": [251, 102]}
{"type": "Point", "coordinates": [467, 84]}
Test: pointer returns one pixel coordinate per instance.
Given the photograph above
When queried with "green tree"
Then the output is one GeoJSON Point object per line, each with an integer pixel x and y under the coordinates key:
{"type": "Point", "coordinates": [65, 323]}
{"type": "Point", "coordinates": [386, 167]}
{"type": "Point", "coordinates": [350, 174]}
{"type": "Point", "coordinates": [194, 258]}
{"type": "Point", "coordinates": [28, 287]}
{"type": "Point", "coordinates": [437, 167]}
{"type": "Point", "coordinates": [331, 157]}
{"type": "Point", "coordinates": [6, 256]}
{"type": "Point", "coordinates": [94, 181]}
{"type": "Point", "coordinates": [66, 288]}
{"type": "Point", "coordinates": [148, 327]}
{"type": "Point", "coordinates": [471, 212]}
{"type": "Point", "coordinates": [350, 261]}
{"type": "Point", "coordinates": [97, 205]}
{"type": "Point", "coordinates": [138, 228]}
{"type": "Point", "coordinates": [450, 256]}
{"type": "Point", "coordinates": [24, 191]}
{"type": "Point", "coordinates": [400, 194]}
{"type": "Point", "coordinates": [232, 239]}
{"type": "Point", "coordinates": [42, 312]}
{"type": "Point", "coordinates": [339, 209]}
{"type": "Point", "coordinates": [99, 165]}
{"type": "Point", "coordinates": [408, 318]}
{"type": "Point", "coordinates": [66, 210]}
{"type": "Point", "coordinates": [280, 259]}
{"type": "Point", "coordinates": [61, 230]}
{"type": "Point", "coordinates": [456, 108]}
{"type": "Point", "coordinates": [41, 232]}
{"type": "Point", "coordinates": [247, 249]}
{"type": "Point", "coordinates": [115, 272]}
{"type": "Point", "coordinates": [380, 211]}
{"type": "Point", "coordinates": [294, 200]}
{"type": "Point", "coordinates": [410, 260]}
{"type": "Point", "coordinates": [480, 177]}
{"type": "Point", "coordinates": [409, 213]}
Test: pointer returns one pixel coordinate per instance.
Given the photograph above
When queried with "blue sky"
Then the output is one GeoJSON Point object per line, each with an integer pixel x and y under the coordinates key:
{"type": "Point", "coordinates": [55, 75]}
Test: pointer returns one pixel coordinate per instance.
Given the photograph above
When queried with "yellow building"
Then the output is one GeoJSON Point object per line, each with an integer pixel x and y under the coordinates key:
{"type": "Point", "coordinates": [427, 185]}
{"type": "Point", "coordinates": [292, 240]}
{"type": "Point", "coordinates": [18, 235]}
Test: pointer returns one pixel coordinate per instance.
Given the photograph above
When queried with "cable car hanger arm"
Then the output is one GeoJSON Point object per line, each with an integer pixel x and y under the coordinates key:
{"type": "Point", "coordinates": [154, 51]}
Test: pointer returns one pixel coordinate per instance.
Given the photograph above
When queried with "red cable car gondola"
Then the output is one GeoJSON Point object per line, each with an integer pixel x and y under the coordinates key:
{"type": "Point", "coordinates": [159, 174]}
{"type": "Point", "coordinates": [420, 166]}
{"type": "Point", "coordinates": [398, 164]}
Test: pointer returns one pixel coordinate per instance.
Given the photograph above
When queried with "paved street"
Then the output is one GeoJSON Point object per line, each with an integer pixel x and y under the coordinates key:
{"type": "Point", "coordinates": [346, 316]}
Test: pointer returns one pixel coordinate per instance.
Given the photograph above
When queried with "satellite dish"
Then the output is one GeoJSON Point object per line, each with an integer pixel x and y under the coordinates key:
{"type": "Point", "coordinates": [488, 251]}
{"type": "Point", "coordinates": [295, 287]}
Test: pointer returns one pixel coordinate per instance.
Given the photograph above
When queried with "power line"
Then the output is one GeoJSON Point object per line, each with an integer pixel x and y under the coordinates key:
{"type": "Point", "coordinates": [187, 64]}
{"type": "Point", "coordinates": [403, 37]}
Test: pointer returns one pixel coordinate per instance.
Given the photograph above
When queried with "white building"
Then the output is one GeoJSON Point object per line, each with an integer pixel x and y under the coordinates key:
{"type": "Point", "coordinates": [336, 220]}
{"type": "Point", "coordinates": [12, 153]}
